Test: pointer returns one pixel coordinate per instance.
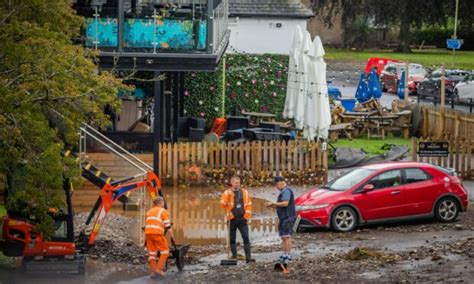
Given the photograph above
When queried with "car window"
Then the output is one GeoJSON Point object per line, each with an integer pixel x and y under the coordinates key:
{"type": "Point", "coordinates": [416, 71]}
{"type": "Point", "coordinates": [387, 179]}
{"type": "Point", "coordinates": [436, 74]}
{"type": "Point", "coordinates": [416, 175]}
{"type": "Point", "coordinates": [467, 78]}
{"type": "Point", "coordinates": [349, 179]}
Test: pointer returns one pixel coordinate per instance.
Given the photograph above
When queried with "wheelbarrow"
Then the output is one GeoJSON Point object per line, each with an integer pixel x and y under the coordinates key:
{"type": "Point", "coordinates": [177, 252]}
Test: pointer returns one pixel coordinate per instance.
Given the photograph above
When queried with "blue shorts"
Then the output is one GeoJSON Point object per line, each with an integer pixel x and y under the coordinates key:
{"type": "Point", "coordinates": [285, 227]}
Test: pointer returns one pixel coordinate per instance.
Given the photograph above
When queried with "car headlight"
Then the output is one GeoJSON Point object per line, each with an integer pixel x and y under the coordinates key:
{"type": "Point", "coordinates": [311, 207]}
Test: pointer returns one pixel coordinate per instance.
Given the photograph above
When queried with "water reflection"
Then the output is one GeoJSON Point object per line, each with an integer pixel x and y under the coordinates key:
{"type": "Point", "coordinates": [198, 219]}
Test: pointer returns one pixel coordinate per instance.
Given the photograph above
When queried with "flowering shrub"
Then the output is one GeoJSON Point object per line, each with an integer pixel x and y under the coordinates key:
{"type": "Point", "coordinates": [253, 83]}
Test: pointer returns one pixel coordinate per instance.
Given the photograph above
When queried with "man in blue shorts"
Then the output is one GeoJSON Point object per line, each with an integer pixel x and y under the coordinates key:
{"type": "Point", "coordinates": [285, 208]}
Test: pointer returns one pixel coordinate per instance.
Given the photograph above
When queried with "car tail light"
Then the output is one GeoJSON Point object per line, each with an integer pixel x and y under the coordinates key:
{"type": "Point", "coordinates": [455, 179]}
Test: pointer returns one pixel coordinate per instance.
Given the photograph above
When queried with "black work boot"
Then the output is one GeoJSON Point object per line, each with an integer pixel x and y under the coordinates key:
{"type": "Point", "coordinates": [248, 256]}
{"type": "Point", "coordinates": [233, 249]}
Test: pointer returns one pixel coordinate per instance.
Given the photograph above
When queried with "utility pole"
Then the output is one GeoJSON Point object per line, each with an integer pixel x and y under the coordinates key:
{"type": "Point", "coordinates": [455, 36]}
{"type": "Point", "coordinates": [222, 112]}
{"type": "Point", "coordinates": [406, 81]}
{"type": "Point", "coordinates": [443, 86]}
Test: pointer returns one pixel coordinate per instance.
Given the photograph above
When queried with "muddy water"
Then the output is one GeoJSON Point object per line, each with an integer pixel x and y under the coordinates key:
{"type": "Point", "coordinates": [198, 219]}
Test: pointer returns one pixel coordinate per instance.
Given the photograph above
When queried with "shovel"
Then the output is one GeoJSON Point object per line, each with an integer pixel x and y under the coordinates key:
{"type": "Point", "coordinates": [228, 261]}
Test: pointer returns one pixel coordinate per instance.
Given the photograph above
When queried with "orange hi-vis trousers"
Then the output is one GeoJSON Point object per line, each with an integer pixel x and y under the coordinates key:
{"type": "Point", "coordinates": [155, 244]}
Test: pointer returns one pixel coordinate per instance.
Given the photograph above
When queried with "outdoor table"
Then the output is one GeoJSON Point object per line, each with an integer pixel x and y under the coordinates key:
{"type": "Point", "coordinates": [258, 116]}
{"type": "Point", "coordinates": [359, 113]}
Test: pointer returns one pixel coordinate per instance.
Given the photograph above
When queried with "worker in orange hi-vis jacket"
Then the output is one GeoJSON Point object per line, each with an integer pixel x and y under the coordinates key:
{"type": "Point", "coordinates": [157, 223]}
{"type": "Point", "coordinates": [238, 208]}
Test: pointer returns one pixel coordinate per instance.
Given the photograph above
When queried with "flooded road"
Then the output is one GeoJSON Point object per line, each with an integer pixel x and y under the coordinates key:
{"type": "Point", "coordinates": [198, 218]}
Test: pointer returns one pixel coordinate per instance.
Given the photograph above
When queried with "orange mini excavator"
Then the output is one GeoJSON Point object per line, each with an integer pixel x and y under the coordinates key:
{"type": "Point", "coordinates": [65, 253]}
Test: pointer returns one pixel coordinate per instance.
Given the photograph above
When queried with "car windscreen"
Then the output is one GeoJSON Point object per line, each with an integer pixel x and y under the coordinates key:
{"type": "Point", "coordinates": [416, 71]}
{"type": "Point", "coordinates": [349, 179]}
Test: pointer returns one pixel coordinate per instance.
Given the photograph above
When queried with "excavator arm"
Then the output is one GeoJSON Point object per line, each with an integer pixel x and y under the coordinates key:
{"type": "Point", "coordinates": [108, 195]}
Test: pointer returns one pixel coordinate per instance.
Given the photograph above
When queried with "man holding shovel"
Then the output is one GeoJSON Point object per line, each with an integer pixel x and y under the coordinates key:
{"type": "Point", "coordinates": [238, 208]}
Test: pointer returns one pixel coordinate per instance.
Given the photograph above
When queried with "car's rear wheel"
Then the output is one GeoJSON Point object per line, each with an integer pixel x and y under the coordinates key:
{"type": "Point", "coordinates": [344, 219]}
{"type": "Point", "coordinates": [447, 210]}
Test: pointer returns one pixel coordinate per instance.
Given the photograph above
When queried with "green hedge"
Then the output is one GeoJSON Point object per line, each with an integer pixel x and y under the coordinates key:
{"type": "Point", "coordinates": [438, 35]}
{"type": "Point", "coordinates": [253, 83]}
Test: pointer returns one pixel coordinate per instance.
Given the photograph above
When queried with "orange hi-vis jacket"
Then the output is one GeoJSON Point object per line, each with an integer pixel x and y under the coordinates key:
{"type": "Point", "coordinates": [157, 219]}
{"type": "Point", "coordinates": [227, 202]}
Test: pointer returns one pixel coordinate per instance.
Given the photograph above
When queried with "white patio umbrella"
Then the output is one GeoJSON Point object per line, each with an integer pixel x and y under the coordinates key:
{"type": "Point", "coordinates": [302, 80]}
{"type": "Point", "coordinates": [292, 83]}
{"type": "Point", "coordinates": [317, 118]}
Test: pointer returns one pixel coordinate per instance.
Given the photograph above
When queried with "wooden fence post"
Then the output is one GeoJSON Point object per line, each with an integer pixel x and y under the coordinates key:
{"type": "Point", "coordinates": [175, 163]}
{"type": "Point", "coordinates": [414, 148]}
{"type": "Point", "coordinates": [325, 165]}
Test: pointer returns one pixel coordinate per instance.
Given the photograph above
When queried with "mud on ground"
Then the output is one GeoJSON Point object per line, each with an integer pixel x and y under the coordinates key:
{"type": "Point", "coordinates": [415, 251]}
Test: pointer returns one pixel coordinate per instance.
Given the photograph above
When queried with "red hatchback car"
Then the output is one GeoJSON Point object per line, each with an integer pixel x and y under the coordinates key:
{"type": "Point", "coordinates": [382, 192]}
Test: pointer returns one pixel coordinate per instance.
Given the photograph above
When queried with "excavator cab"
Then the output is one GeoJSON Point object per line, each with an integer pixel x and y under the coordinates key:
{"type": "Point", "coordinates": [18, 236]}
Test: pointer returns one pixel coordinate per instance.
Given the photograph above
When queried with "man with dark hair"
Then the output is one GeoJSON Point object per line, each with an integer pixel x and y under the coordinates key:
{"type": "Point", "coordinates": [238, 207]}
{"type": "Point", "coordinates": [285, 208]}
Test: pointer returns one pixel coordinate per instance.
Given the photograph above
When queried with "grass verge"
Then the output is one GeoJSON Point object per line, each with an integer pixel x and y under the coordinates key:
{"type": "Point", "coordinates": [432, 58]}
{"type": "Point", "coordinates": [371, 146]}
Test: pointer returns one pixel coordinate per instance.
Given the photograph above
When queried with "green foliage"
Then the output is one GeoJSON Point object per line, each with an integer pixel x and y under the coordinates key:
{"type": "Point", "coordinates": [401, 14]}
{"type": "Point", "coordinates": [48, 87]}
{"type": "Point", "coordinates": [356, 33]}
{"type": "Point", "coordinates": [253, 83]}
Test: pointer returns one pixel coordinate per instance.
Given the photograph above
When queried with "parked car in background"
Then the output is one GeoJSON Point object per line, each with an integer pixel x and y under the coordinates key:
{"type": "Point", "coordinates": [431, 86]}
{"type": "Point", "coordinates": [378, 64]}
{"type": "Point", "coordinates": [464, 90]}
{"type": "Point", "coordinates": [392, 73]}
{"type": "Point", "coordinates": [382, 192]}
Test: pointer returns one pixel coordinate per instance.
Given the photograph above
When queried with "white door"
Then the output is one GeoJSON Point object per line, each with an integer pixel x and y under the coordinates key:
{"type": "Point", "coordinates": [465, 88]}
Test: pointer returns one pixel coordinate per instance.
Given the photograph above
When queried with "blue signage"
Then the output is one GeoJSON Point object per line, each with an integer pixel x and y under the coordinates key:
{"type": "Point", "coordinates": [454, 43]}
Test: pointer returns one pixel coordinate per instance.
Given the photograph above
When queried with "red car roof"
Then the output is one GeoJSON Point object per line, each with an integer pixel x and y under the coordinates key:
{"type": "Point", "coordinates": [395, 165]}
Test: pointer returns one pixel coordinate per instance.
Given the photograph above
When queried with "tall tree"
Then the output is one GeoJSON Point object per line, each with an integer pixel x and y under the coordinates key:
{"type": "Point", "coordinates": [402, 13]}
{"type": "Point", "coordinates": [48, 87]}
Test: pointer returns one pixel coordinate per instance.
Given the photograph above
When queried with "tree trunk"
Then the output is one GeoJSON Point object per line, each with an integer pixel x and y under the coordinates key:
{"type": "Point", "coordinates": [404, 35]}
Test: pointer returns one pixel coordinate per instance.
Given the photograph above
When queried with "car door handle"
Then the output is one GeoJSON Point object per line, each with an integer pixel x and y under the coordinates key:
{"type": "Point", "coordinates": [395, 192]}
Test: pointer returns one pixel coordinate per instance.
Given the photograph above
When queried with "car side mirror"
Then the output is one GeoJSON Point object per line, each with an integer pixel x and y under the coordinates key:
{"type": "Point", "coordinates": [368, 187]}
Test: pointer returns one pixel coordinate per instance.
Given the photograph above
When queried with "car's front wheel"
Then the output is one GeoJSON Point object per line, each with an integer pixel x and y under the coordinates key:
{"type": "Point", "coordinates": [446, 210]}
{"type": "Point", "coordinates": [344, 219]}
{"type": "Point", "coordinates": [456, 96]}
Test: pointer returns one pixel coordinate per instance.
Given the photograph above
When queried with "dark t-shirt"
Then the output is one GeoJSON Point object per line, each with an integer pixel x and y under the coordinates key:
{"type": "Point", "coordinates": [286, 212]}
{"type": "Point", "coordinates": [238, 210]}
